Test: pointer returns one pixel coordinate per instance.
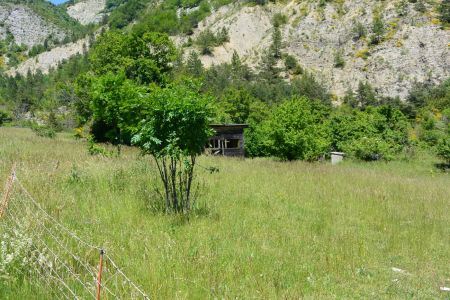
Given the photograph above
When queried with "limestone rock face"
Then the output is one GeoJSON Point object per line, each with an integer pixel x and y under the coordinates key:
{"type": "Point", "coordinates": [414, 47]}
{"type": "Point", "coordinates": [26, 26]}
{"type": "Point", "coordinates": [50, 59]}
{"type": "Point", "coordinates": [87, 11]}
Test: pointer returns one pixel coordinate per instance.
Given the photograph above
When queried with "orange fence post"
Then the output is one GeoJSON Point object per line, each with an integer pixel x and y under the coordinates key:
{"type": "Point", "coordinates": [99, 277]}
{"type": "Point", "coordinates": [7, 192]}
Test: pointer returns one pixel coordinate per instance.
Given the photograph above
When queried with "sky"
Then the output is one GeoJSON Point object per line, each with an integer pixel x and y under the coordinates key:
{"type": "Point", "coordinates": [57, 1]}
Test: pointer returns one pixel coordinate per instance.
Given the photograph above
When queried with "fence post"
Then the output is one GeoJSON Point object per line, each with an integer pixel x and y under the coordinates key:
{"type": "Point", "coordinates": [7, 192]}
{"type": "Point", "coordinates": [99, 277]}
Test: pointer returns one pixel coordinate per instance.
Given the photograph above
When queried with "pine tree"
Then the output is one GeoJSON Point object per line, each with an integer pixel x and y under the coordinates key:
{"type": "Point", "coordinates": [194, 65]}
{"type": "Point", "coordinates": [444, 9]}
{"type": "Point", "coordinates": [276, 46]}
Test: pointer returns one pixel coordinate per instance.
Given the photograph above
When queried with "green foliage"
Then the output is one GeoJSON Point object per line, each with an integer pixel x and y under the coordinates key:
{"type": "Point", "coordinates": [373, 134]}
{"type": "Point", "coordinates": [44, 130]}
{"type": "Point", "coordinates": [176, 17]}
{"type": "Point", "coordinates": [378, 30]}
{"type": "Point", "coordinates": [359, 31]}
{"type": "Point", "coordinates": [206, 40]}
{"type": "Point", "coordinates": [420, 6]}
{"type": "Point", "coordinates": [290, 62]}
{"type": "Point", "coordinates": [194, 66]}
{"type": "Point", "coordinates": [276, 46]}
{"type": "Point", "coordinates": [365, 96]}
{"type": "Point", "coordinates": [430, 95]}
{"type": "Point", "coordinates": [444, 10]}
{"type": "Point", "coordinates": [279, 20]}
{"type": "Point", "coordinates": [117, 105]}
{"type": "Point", "coordinates": [402, 8]}
{"type": "Point", "coordinates": [125, 13]}
{"type": "Point", "coordinates": [4, 117]}
{"type": "Point", "coordinates": [174, 132]}
{"type": "Point", "coordinates": [295, 130]}
{"type": "Point", "coordinates": [177, 121]}
{"type": "Point", "coordinates": [443, 149]}
{"type": "Point", "coordinates": [144, 59]}
{"type": "Point", "coordinates": [339, 61]}
{"type": "Point", "coordinates": [42, 92]}
{"type": "Point", "coordinates": [95, 149]}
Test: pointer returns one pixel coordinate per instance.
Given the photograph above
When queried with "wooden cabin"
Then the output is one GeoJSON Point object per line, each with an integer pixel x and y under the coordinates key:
{"type": "Point", "coordinates": [228, 140]}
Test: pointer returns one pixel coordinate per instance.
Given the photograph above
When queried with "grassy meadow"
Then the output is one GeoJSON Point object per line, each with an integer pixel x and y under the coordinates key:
{"type": "Point", "coordinates": [262, 229]}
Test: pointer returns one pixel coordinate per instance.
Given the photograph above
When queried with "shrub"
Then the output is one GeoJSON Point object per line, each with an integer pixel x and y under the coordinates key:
{"type": "Point", "coordinates": [369, 148]}
{"type": "Point", "coordinates": [420, 6]}
{"type": "Point", "coordinates": [339, 61]}
{"type": "Point", "coordinates": [295, 130]}
{"type": "Point", "coordinates": [44, 131]}
{"type": "Point", "coordinates": [443, 149]}
{"type": "Point", "coordinates": [376, 133]}
{"type": "Point", "coordinates": [4, 117]}
{"type": "Point", "coordinates": [95, 149]}
{"type": "Point", "coordinates": [174, 133]}
{"type": "Point", "coordinates": [290, 62]}
{"type": "Point", "coordinates": [378, 30]}
{"type": "Point", "coordinates": [444, 10]}
{"type": "Point", "coordinates": [359, 31]}
{"type": "Point", "coordinates": [206, 40]}
{"type": "Point", "coordinates": [363, 53]}
{"type": "Point", "coordinates": [279, 19]}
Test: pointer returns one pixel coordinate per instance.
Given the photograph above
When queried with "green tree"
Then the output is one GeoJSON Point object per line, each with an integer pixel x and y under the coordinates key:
{"type": "Point", "coordinates": [444, 10]}
{"type": "Point", "coordinates": [174, 133]}
{"type": "Point", "coordinates": [359, 31]}
{"type": "Point", "coordinates": [443, 149]}
{"type": "Point", "coordinates": [275, 48]}
{"type": "Point", "coordinates": [378, 30]}
{"type": "Point", "coordinates": [365, 95]}
{"type": "Point", "coordinates": [117, 105]}
{"type": "Point", "coordinates": [373, 134]}
{"type": "Point", "coordinates": [194, 66]}
{"type": "Point", "coordinates": [297, 129]}
{"type": "Point", "coordinates": [145, 59]}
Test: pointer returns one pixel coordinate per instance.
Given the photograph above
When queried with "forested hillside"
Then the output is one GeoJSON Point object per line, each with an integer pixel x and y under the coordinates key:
{"type": "Point", "coordinates": [367, 78]}
{"type": "Point", "coordinates": [28, 28]}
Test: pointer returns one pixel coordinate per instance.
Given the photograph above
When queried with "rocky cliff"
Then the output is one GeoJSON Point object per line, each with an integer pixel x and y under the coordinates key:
{"type": "Point", "coordinates": [413, 47]}
{"type": "Point", "coordinates": [25, 26]}
{"type": "Point", "coordinates": [87, 11]}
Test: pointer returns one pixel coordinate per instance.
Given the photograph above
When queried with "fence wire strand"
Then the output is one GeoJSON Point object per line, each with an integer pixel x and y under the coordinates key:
{"type": "Point", "coordinates": [63, 262]}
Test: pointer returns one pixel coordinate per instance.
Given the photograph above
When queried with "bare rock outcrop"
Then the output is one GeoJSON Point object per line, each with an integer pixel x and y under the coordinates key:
{"type": "Point", "coordinates": [26, 26]}
{"type": "Point", "coordinates": [87, 11]}
{"type": "Point", "coordinates": [50, 59]}
{"type": "Point", "coordinates": [414, 47]}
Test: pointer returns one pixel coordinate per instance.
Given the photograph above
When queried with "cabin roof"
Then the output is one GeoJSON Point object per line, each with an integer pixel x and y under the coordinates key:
{"type": "Point", "coordinates": [237, 126]}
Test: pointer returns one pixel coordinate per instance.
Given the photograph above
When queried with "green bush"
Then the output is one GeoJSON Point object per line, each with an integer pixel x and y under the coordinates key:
{"type": "Point", "coordinates": [444, 10]}
{"type": "Point", "coordinates": [443, 149]}
{"type": "Point", "coordinates": [297, 129]}
{"type": "Point", "coordinates": [339, 61]}
{"type": "Point", "coordinates": [175, 131]}
{"type": "Point", "coordinates": [44, 131]}
{"type": "Point", "coordinates": [4, 117]}
{"type": "Point", "coordinates": [206, 40]}
{"type": "Point", "coordinates": [378, 30]}
{"type": "Point", "coordinates": [359, 31]}
{"type": "Point", "coordinates": [376, 133]}
{"type": "Point", "coordinates": [279, 19]}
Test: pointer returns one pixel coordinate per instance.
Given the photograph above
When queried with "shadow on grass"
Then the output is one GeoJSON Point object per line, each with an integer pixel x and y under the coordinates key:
{"type": "Point", "coordinates": [444, 167]}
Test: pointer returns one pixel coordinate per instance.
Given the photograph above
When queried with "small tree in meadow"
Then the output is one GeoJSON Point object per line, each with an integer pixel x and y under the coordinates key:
{"type": "Point", "coordinates": [175, 133]}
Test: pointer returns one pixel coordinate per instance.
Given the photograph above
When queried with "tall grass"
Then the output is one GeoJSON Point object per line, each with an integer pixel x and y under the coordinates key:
{"type": "Point", "coordinates": [262, 230]}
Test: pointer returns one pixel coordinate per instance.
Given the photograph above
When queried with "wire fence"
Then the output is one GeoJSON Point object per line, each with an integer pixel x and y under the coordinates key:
{"type": "Point", "coordinates": [41, 249]}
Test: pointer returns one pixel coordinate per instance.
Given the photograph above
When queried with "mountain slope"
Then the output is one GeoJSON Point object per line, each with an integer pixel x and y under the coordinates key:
{"type": "Point", "coordinates": [413, 46]}
{"type": "Point", "coordinates": [88, 11]}
{"type": "Point", "coordinates": [25, 26]}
